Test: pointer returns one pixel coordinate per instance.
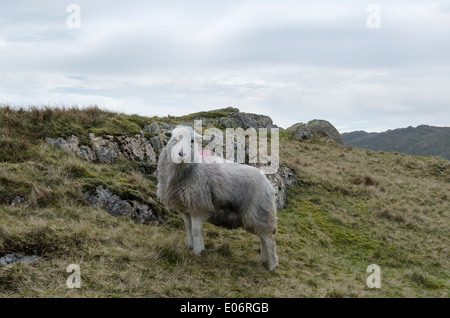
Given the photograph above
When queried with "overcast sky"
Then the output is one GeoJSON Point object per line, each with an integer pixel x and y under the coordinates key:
{"type": "Point", "coordinates": [292, 60]}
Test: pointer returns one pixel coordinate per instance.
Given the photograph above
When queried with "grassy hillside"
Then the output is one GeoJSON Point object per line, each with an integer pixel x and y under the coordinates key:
{"type": "Point", "coordinates": [353, 208]}
{"type": "Point", "coordinates": [420, 141]}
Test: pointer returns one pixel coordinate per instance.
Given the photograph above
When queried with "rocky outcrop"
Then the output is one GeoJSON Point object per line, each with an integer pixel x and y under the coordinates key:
{"type": "Point", "coordinates": [106, 151]}
{"type": "Point", "coordinates": [105, 199]}
{"type": "Point", "coordinates": [109, 148]}
{"type": "Point", "coordinates": [315, 128]}
{"type": "Point", "coordinates": [233, 118]}
{"type": "Point", "coordinates": [246, 120]}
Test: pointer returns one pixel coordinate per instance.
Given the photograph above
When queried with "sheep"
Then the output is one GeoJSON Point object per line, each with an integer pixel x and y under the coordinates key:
{"type": "Point", "coordinates": [226, 194]}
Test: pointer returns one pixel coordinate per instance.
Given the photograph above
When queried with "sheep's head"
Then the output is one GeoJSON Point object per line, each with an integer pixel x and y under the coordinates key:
{"type": "Point", "coordinates": [183, 145]}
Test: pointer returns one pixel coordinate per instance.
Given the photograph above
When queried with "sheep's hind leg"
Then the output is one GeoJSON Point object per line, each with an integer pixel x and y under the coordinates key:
{"type": "Point", "coordinates": [263, 251]}
{"type": "Point", "coordinates": [188, 226]}
{"type": "Point", "coordinates": [268, 252]}
{"type": "Point", "coordinates": [197, 226]}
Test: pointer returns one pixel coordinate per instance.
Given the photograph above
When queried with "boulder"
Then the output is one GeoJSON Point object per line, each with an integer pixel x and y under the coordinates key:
{"type": "Point", "coordinates": [294, 127]}
{"type": "Point", "coordinates": [315, 128]}
{"type": "Point", "coordinates": [247, 120]}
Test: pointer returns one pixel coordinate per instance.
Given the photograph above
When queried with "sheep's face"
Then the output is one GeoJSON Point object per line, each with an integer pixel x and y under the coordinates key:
{"type": "Point", "coordinates": [182, 147]}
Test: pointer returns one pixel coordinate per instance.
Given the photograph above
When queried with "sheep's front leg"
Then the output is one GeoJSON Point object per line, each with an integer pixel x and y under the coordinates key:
{"type": "Point", "coordinates": [197, 223]}
{"type": "Point", "coordinates": [268, 251]}
{"type": "Point", "coordinates": [188, 226]}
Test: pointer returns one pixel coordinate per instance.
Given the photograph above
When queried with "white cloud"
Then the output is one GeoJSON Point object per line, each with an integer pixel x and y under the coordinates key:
{"type": "Point", "coordinates": [291, 60]}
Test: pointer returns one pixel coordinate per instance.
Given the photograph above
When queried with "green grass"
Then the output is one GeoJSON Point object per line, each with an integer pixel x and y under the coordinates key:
{"type": "Point", "coordinates": [353, 208]}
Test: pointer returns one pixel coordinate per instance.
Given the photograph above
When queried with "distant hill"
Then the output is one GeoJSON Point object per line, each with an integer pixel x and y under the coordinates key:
{"type": "Point", "coordinates": [420, 141]}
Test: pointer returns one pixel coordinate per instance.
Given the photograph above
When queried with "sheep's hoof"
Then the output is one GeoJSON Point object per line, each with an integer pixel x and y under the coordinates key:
{"type": "Point", "coordinates": [272, 268]}
{"type": "Point", "coordinates": [197, 253]}
{"type": "Point", "coordinates": [189, 246]}
{"type": "Point", "coordinates": [272, 265]}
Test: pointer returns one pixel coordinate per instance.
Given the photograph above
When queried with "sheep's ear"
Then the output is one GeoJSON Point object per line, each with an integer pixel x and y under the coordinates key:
{"type": "Point", "coordinates": [168, 134]}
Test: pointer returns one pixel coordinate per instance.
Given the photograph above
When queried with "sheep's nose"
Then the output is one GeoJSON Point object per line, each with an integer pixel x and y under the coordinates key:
{"type": "Point", "coordinates": [181, 153]}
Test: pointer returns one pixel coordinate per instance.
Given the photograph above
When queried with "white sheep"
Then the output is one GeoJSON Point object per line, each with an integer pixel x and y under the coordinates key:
{"type": "Point", "coordinates": [226, 194]}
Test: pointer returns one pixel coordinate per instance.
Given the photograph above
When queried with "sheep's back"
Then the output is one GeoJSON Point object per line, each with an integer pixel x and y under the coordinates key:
{"type": "Point", "coordinates": [235, 186]}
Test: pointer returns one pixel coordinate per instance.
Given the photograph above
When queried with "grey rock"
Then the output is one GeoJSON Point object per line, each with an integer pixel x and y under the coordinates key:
{"type": "Point", "coordinates": [105, 150]}
{"type": "Point", "coordinates": [71, 144]}
{"type": "Point", "coordinates": [109, 148]}
{"type": "Point", "coordinates": [137, 149]}
{"type": "Point", "coordinates": [17, 258]}
{"type": "Point", "coordinates": [157, 128]}
{"type": "Point", "coordinates": [227, 122]}
{"type": "Point", "coordinates": [105, 199]}
{"type": "Point", "coordinates": [302, 131]}
{"type": "Point", "coordinates": [284, 178]}
{"type": "Point", "coordinates": [157, 143]}
{"type": "Point", "coordinates": [294, 127]}
{"type": "Point", "coordinates": [154, 128]}
{"type": "Point", "coordinates": [234, 119]}
{"type": "Point", "coordinates": [247, 120]}
{"type": "Point", "coordinates": [17, 201]}
{"type": "Point", "coordinates": [142, 212]}
{"type": "Point", "coordinates": [316, 128]}
{"type": "Point", "coordinates": [231, 110]}
{"type": "Point", "coordinates": [149, 153]}
{"type": "Point", "coordinates": [87, 154]}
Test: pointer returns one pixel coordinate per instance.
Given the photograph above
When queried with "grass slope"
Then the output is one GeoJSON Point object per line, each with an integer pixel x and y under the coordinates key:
{"type": "Point", "coordinates": [353, 208]}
